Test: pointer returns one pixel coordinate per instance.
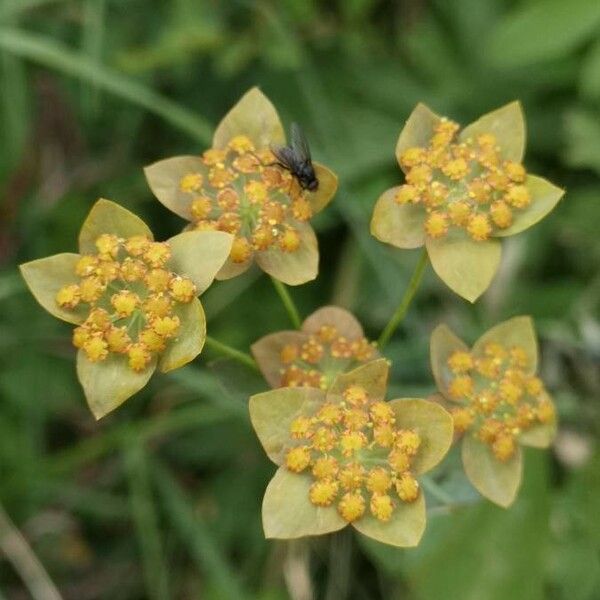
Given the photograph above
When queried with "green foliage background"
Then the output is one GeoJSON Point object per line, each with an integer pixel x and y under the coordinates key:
{"type": "Point", "coordinates": [162, 499]}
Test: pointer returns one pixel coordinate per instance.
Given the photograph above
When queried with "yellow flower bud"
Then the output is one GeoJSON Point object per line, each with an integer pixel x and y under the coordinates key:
{"type": "Point", "coordinates": [381, 507]}
{"type": "Point", "coordinates": [68, 296]}
{"type": "Point", "coordinates": [182, 289]}
{"type": "Point", "coordinates": [352, 506]}
{"type": "Point", "coordinates": [407, 487]}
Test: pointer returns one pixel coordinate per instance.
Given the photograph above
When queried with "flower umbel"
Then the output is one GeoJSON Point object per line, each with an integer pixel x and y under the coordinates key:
{"type": "Point", "coordinates": [133, 300]}
{"type": "Point", "coordinates": [238, 186]}
{"type": "Point", "coordinates": [498, 402]}
{"type": "Point", "coordinates": [349, 457]}
{"type": "Point", "coordinates": [464, 189]}
{"type": "Point", "coordinates": [330, 342]}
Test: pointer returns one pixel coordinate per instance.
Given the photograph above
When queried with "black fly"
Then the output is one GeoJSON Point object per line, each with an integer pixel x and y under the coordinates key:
{"type": "Point", "coordinates": [296, 159]}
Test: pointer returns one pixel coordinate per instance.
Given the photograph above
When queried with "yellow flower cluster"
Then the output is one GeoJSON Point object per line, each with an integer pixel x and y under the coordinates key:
{"type": "Point", "coordinates": [243, 191]}
{"type": "Point", "coordinates": [130, 296]}
{"type": "Point", "coordinates": [356, 454]}
{"type": "Point", "coordinates": [463, 184]}
{"type": "Point", "coordinates": [499, 400]}
{"type": "Point", "coordinates": [317, 361]}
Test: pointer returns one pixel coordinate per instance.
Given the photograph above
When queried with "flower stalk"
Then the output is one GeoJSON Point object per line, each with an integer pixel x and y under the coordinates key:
{"type": "Point", "coordinates": [409, 294]}
{"type": "Point", "coordinates": [230, 352]}
{"type": "Point", "coordinates": [288, 302]}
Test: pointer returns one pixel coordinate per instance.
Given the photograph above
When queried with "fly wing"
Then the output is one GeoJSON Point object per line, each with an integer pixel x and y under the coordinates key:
{"type": "Point", "coordinates": [300, 143]}
{"type": "Point", "coordinates": [284, 155]}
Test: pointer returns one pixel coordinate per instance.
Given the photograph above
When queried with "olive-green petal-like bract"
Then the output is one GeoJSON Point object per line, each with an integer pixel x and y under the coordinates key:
{"type": "Point", "coordinates": [442, 344]}
{"type": "Point", "coordinates": [518, 331]}
{"type": "Point", "coordinates": [328, 184]}
{"type": "Point", "coordinates": [495, 480]}
{"type": "Point", "coordinates": [108, 217]}
{"type": "Point", "coordinates": [544, 197]}
{"type": "Point", "coordinates": [253, 116]}
{"type": "Point", "coordinates": [334, 316]}
{"type": "Point", "coordinates": [434, 425]}
{"type": "Point", "coordinates": [467, 267]}
{"type": "Point", "coordinates": [293, 268]}
{"type": "Point", "coordinates": [46, 276]}
{"type": "Point", "coordinates": [372, 376]}
{"type": "Point", "coordinates": [199, 255]}
{"type": "Point", "coordinates": [507, 124]}
{"type": "Point", "coordinates": [401, 225]}
{"type": "Point", "coordinates": [272, 413]}
{"type": "Point", "coordinates": [539, 436]}
{"type": "Point", "coordinates": [267, 353]}
{"type": "Point", "coordinates": [287, 512]}
{"type": "Point", "coordinates": [107, 384]}
{"type": "Point", "coordinates": [418, 130]}
{"type": "Point", "coordinates": [190, 339]}
{"type": "Point", "coordinates": [404, 529]}
{"type": "Point", "coordinates": [164, 176]}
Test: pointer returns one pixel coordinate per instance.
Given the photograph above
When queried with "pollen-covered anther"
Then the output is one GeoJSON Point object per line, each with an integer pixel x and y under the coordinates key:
{"type": "Point", "coordinates": [381, 412]}
{"type": "Point", "coordinates": [297, 459]}
{"type": "Point", "coordinates": [408, 441]}
{"type": "Point", "coordinates": [166, 326]}
{"type": "Point", "coordinates": [419, 175]}
{"type": "Point", "coordinates": [228, 199]}
{"type": "Point", "coordinates": [545, 411]}
{"type": "Point", "coordinates": [352, 506]}
{"type": "Point", "coordinates": [463, 419]}
{"type": "Point", "coordinates": [355, 419]}
{"type": "Point", "coordinates": [407, 487]}
{"type": "Point", "coordinates": [378, 480]}
{"type": "Point", "coordinates": [241, 144]}
{"type": "Point", "coordinates": [136, 245]}
{"type": "Point", "coordinates": [461, 387]}
{"type": "Point", "coordinates": [436, 224]}
{"type": "Point", "coordinates": [351, 442]}
{"type": "Point", "coordinates": [504, 446]}
{"type": "Point", "coordinates": [86, 265]}
{"type": "Point", "coordinates": [151, 339]}
{"type": "Point", "coordinates": [192, 182]}
{"type": "Point", "coordinates": [95, 347]}
{"type": "Point", "coordinates": [91, 288]}
{"type": "Point", "coordinates": [157, 305]}
{"type": "Point", "coordinates": [139, 356]}
{"type": "Point", "coordinates": [461, 361]}
{"type": "Point", "coordinates": [509, 391]}
{"type": "Point", "coordinates": [157, 280]}
{"type": "Point", "coordinates": [118, 339]}
{"type": "Point", "coordinates": [407, 194]}
{"type": "Point", "coordinates": [518, 196]}
{"type": "Point", "coordinates": [256, 191]}
{"type": "Point", "coordinates": [323, 492]}
{"type": "Point", "coordinates": [157, 254]}
{"type": "Point", "coordinates": [329, 414]}
{"type": "Point", "coordinates": [68, 296]}
{"type": "Point", "coordinates": [486, 401]}
{"type": "Point", "coordinates": [289, 240]}
{"type": "Point", "coordinates": [312, 351]}
{"type": "Point", "coordinates": [262, 238]}
{"type": "Point", "coordinates": [300, 427]}
{"type": "Point", "coordinates": [182, 289]}
{"type": "Point", "coordinates": [107, 245]}
{"type": "Point", "coordinates": [479, 227]}
{"type": "Point", "coordinates": [501, 214]}
{"type": "Point", "coordinates": [325, 467]}
{"type": "Point", "coordinates": [324, 439]}
{"type": "Point", "coordinates": [355, 395]}
{"type": "Point", "coordinates": [459, 212]}
{"type": "Point", "coordinates": [132, 269]}
{"type": "Point", "coordinates": [518, 357]}
{"type": "Point", "coordinates": [381, 507]}
{"type": "Point", "coordinates": [201, 207]}
{"type": "Point", "coordinates": [301, 209]}
{"type": "Point", "coordinates": [241, 250]}
{"type": "Point", "coordinates": [384, 435]}
{"type": "Point", "coordinates": [456, 168]}
{"type": "Point", "coordinates": [413, 156]}
{"type": "Point", "coordinates": [125, 302]}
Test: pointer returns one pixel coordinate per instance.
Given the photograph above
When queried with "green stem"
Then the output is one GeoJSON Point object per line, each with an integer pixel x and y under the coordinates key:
{"type": "Point", "coordinates": [409, 294]}
{"type": "Point", "coordinates": [288, 303]}
{"type": "Point", "coordinates": [241, 357]}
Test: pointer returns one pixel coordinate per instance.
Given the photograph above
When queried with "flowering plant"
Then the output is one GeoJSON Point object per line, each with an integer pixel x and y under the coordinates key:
{"type": "Point", "coordinates": [464, 190]}
{"type": "Point", "coordinates": [133, 300]}
{"type": "Point", "coordinates": [497, 402]}
{"type": "Point", "coordinates": [345, 455]}
{"type": "Point", "coordinates": [239, 187]}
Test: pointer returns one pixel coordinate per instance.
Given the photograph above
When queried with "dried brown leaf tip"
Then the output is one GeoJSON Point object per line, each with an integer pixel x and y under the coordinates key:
{"type": "Point", "coordinates": [349, 457]}
{"type": "Point", "coordinates": [499, 402]}
{"type": "Point", "coordinates": [238, 186]}
{"type": "Point", "coordinates": [133, 299]}
{"type": "Point", "coordinates": [331, 341]}
{"type": "Point", "coordinates": [463, 189]}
